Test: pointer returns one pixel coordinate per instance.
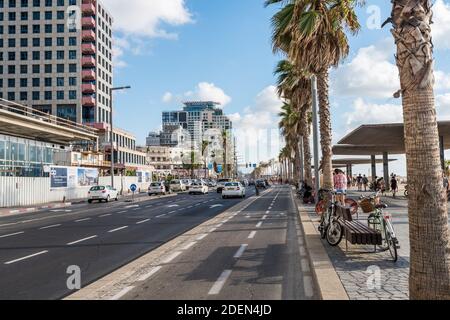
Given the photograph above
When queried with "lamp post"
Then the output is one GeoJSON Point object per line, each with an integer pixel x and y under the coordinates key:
{"type": "Point", "coordinates": [315, 134]}
{"type": "Point", "coordinates": [111, 133]}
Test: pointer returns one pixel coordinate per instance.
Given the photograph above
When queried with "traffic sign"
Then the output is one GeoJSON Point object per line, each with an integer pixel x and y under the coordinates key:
{"type": "Point", "coordinates": [133, 187]}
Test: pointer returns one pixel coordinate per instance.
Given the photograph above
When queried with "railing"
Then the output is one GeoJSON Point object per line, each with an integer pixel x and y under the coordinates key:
{"type": "Point", "coordinates": [17, 108]}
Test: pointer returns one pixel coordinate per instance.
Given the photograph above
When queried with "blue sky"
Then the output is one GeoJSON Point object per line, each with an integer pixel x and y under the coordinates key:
{"type": "Point", "coordinates": [175, 50]}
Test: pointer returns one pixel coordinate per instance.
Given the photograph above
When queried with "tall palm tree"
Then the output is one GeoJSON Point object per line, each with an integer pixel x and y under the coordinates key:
{"type": "Point", "coordinates": [312, 34]}
{"type": "Point", "coordinates": [225, 135]}
{"type": "Point", "coordinates": [427, 205]}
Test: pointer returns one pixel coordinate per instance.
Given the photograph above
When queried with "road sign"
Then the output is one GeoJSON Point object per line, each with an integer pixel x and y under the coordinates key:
{"type": "Point", "coordinates": [133, 188]}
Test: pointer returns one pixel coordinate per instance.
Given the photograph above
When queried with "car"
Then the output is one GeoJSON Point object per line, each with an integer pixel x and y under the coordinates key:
{"type": "Point", "coordinates": [212, 184]}
{"type": "Point", "coordinates": [221, 183]}
{"type": "Point", "coordinates": [251, 183]}
{"type": "Point", "coordinates": [187, 183]}
{"type": "Point", "coordinates": [261, 184]}
{"type": "Point", "coordinates": [157, 188]}
{"type": "Point", "coordinates": [177, 185]}
{"type": "Point", "coordinates": [102, 193]}
{"type": "Point", "coordinates": [198, 188]}
{"type": "Point", "coordinates": [233, 189]}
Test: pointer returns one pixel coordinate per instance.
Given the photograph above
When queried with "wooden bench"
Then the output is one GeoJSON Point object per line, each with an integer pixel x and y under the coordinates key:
{"type": "Point", "coordinates": [356, 232]}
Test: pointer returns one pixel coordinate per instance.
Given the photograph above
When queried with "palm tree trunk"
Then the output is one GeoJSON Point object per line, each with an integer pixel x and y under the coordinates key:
{"type": "Point", "coordinates": [297, 164]}
{"type": "Point", "coordinates": [307, 160]}
{"type": "Point", "coordinates": [325, 128]}
{"type": "Point", "coordinates": [427, 205]}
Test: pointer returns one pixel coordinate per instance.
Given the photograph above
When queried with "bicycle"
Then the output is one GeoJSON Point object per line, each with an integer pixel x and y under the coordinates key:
{"type": "Point", "coordinates": [381, 222]}
{"type": "Point", "coordinates": [329, 226]}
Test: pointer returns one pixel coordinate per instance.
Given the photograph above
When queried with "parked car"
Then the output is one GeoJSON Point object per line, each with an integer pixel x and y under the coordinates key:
{"type": "Point", "coordinates": [261, 184]}
{"type": "Point", "coordinates": [157, 188]}
{"type": "Point", "coordinates": [198, 188]}
{"type": "Point", "coordinates": [102, 193]}
{"type": "Point", "coordinates": [187, 183]}
{"type": "Point", "coordinates": [212, 184]}
{"type": "Point", "coordinates": [177, 186]}
{"type": "Point", "coordinates": [221, 184]}
{"type": "Point", "coordinates": [233, 189]}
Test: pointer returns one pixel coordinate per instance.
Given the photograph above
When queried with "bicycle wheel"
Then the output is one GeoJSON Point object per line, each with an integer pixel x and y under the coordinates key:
{"type": "Point", "coordinates": [353, 205]}
{"type": "Point", "coordinates": [391, 243]}
{"type": "Point", "coordinates": [334, 233]}
{"type": "Point", "coordinates": [323, 227]}
{"type": "Point", "coordinates": [320, 207]}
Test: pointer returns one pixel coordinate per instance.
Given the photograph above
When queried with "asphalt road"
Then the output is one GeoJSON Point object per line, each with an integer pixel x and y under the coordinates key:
{"type": "Point", "coordinates": [257, 254]}
{"type": "Point", "coordinates": [37, 249]}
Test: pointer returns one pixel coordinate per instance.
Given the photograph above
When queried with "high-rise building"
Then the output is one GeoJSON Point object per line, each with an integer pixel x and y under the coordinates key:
{"type": "Point", "coordinates": [56, 56]}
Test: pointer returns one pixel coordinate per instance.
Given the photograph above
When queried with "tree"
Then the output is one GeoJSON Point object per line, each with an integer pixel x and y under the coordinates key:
{"type": "Point", "coordinates": [427, 205]}
{"type": "Point", "coordinates": [205, 145]}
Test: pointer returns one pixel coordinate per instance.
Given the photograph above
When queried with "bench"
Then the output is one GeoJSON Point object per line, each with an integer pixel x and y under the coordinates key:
{"type": "Point", "coordinates": [356, 232]}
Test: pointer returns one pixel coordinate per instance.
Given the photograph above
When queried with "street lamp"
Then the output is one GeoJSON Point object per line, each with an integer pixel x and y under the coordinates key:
{"type": "Point", "coordinates": [112, 135]}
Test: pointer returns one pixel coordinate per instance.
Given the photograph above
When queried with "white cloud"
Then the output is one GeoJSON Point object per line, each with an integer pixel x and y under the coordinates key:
{"type": "Point", "coordinates": [370, 73]}
{"type": "Point", "coordinates": [443, 106]}
{"type": "Point", "coordinates": [442, 80]}
{"type": "Point", "coordinates": [147, 17]}
{"type": "Point", "coordinates": [209, 92]}
{"type": "Point", "coordinates": [168, 97]}
{"type": "Point", "coordinates": [441, 27]}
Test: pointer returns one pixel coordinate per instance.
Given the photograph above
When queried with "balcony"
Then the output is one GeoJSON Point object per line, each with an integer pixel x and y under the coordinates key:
{"type": "Point", "coordinates": [88, 101]}
{"type": "Point", "coordinates": [87, 88]}
{"type": "Point", "coordinates": [88, 35]}
{"type": "Point", "coordinates": [88, 75]}
{"type": "Point", "coordinates": [88, 48]}
{"type": "Point", "coordinates": [88, 62]}
{"type": "Point", "coordinates": [88, 22]}
{"type": "Point", "coordinates": [88, 9]}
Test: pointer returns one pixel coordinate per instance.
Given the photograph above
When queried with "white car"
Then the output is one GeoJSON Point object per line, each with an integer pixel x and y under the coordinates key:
{"type": "Point", "coordinates": [221, 184]}
{"type": "Point", "coordinates": [157, 188]}
{"type": "Point", "coordinates": [233, 189]}
{"type": "Point", "coordinates": [102, 193]}
{"type": "Point", "coordinates": [198, 187]}
{"type": "Point", "coordinates": [177, 186]}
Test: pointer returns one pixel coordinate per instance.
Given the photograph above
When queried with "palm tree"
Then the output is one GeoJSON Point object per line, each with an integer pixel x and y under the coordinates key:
{"type": "Point", "coordinates": [225, 135]}
{"type": "Point", "coordinates": [205, 145]}
{"type": "Point", "coordinates": [427, 205]}
{"type": "Point", "coordinates": [312, 34]}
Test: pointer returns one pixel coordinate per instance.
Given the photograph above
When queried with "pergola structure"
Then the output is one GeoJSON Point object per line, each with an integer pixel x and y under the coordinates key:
{"type": "Point", "coordinates": [384, 139]}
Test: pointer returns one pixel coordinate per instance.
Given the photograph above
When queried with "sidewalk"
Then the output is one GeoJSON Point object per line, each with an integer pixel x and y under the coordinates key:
{"type": "Point", "coordinates": [365, 275]}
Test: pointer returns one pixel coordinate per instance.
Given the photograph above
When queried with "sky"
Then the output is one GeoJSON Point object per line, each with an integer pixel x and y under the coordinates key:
{"type": "Point", "coordinates": [171, 51]}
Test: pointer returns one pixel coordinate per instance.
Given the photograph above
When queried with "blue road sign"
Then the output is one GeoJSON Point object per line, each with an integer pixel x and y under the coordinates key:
{"type": "Point", "coordinates": [133, 187]}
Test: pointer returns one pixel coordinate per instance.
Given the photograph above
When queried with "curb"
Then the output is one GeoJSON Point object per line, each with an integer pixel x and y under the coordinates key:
{"type": "Point", "coordinates": [326, 279]}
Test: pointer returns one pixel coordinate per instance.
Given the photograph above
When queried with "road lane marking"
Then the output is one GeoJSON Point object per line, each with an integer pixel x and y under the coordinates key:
{"type": "Point", "coordinates": [135, 209]}
{"type": "Point", "coordinates": [302, 251]}
{"type": "Point", "coordinates": [305, 265]}
{"type": "Point", "coordinates": [161, 215]}
{"type": "Point", "coordinates": [264, 217]}
{"type": "Point", "coordinates": [259, 224]}
{"type": "Point", "coordinates": [241, 250]}
{"type": "Point", "coordinates": [81, 220]}
{"type": "Point", "coordinates": [217, 287]}
{"type": "Point", "coordinates": [117, 229]}
{"type": "Point", "coordinates": [190, 207]}
{"type": "Point", "coordinates": [132, 206]}
{"type": "Point", "coordinates": [27, 257]}
{"type": "Point", "coordinates": [81, 240]}
{"type": "Point", "coordinates": [172, 212]}
{"type": "Point", "coordinates": [270, 208]}
{"type": "Point", "coordinates": [122, 293]}
{"type": "Point", "coordinates": [125, 211]}
{"type": "Point", "coordinates": [267, 212]}
{"type": "Point", "coordinates": [189, 245]}
{"type": "Point", "coordinates": [48, 227]}
{"type": "Point", "coordinates": [12, 234]}
{"type": "Point", "coordinates": [213, 229]}
{"type": "Point", "coordinates": [105, 215]}
{"type": "Point", "coordinates": [307, 285]}
{"type": "Point", "coordinates": [203, 236]}
{"type": "Point", "coordinates": [149, 274]}
{"type": "Point", "coordinates": [143, 221]}
{"type": "Point", "coordinates": [252, 235]}
{"type": "Point", "coordinates": [171, 257]}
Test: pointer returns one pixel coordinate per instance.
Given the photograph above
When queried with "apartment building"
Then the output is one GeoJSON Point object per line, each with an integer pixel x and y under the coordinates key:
{"type": "Point", "coordinates": [56, 56]}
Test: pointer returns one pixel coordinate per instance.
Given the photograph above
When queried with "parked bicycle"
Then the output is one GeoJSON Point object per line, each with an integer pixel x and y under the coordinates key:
{"type": "Point", "coordinates": [382, 222]}
{"type": "Point", "coordinates": [329, 226]}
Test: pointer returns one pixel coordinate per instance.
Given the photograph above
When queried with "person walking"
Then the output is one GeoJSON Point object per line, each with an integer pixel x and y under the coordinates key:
{"type": "Point", "coordinates": [340, 186]}
{"type": "Point", "coordinates": [394, 185]}
{"type": "Point", "coordinates": [365, 182]}
{"type": "Point", "coordinates": [359, 182]}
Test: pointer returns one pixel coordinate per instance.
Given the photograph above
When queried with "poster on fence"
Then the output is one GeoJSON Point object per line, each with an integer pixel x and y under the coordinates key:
{"type": "Point", "coordinates": [72, 177]}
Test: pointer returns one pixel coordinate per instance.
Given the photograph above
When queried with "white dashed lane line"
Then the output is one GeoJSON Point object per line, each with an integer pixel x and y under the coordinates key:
{"type": "Point", "coordinates": [259, 224]}
{"type": "Point", "coordinates": [161, 215]}
{"type": "Point", "coordinates": [150, 273]}
{"type": "Point", "coordinates": [27, 257]}
{"type": "Point", "coordinates": [49, 227]}
{"type": "Point", "coordinates": [217, 287]}
{"type": "Point", "coordinates": [12, 234]}
{"type": "Point", "coordinates": [117, 229]}
{"type": "Point", "coordinates": [143, 221]}
{"type": "Point", "coordinates": [81, 240]}
{"type": "Point", "coordinates": [189, 245]}
{"type": "Point", "coordinates": [201, 237]}
{"type": "Point", "coordinates": [240, 252]}
{"type": "Point", "coordinates": [105, 215]}
{"type": "Point", "coordinates": [125, 211]}
{"type": "Point", "coordinates": [252, 235]}
{"type": "Point", "coordinates": [81, 220]}
{"type": "Point", "coordinates": [122, 293]}
{"type": "Point", "coordinates": [171, 257]}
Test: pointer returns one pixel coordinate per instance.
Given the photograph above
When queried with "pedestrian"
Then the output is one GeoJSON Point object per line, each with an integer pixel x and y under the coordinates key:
{"type": "Point", "coordinates": [365, 182]}
{"type": "Point", "coordinates": [359, 182]}
{"type": "Point", "coordinates": [394, 185]}
{"type": "Point", "coordinates": [340, 186]}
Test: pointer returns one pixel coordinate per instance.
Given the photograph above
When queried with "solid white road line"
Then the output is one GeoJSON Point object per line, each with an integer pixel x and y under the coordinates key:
{"type": "Point", "coordinates": [203, 236]}
{"type": "Point", "coordinates": [118, 229]}
{"type": "Point", "coordinates": [241, 250]}
{"type": "Point", "coordinates": [189, 245]}
{"type": "Point", "coordinates": [252, 235]}
{"type": "Point", "coordinates": [307, 285]}
{"type": "Point", "coordinates": [171, 257]}
{"type": "Point", "coordinates": [150, 273]}
{"type": "Point", "coordinates": [81, 220]}
{"type": "Point", "coordinates": [48, 227]}
{"type": "Point", "coordinates": [217, 287]}
{"type": "Point", "coordinates": [143, 221]}
{"type": "Point", "coordinates": [12, 234]}
{"type": "Point", "coordinates": [81, 240]}
{"type": "Point", "coordinates": [259, 224]}
{"type": "Point", "coordinates": [27, 257]}
{"type": "Point", "coordinates": [122, 293]}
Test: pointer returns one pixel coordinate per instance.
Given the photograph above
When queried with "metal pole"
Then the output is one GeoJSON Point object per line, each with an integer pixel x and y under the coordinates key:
{"type": "Point", "coordinates": [315, 134]}
{"type": "Point", "coordinates": [112, 142]}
